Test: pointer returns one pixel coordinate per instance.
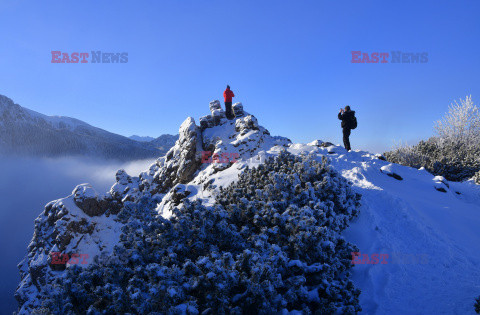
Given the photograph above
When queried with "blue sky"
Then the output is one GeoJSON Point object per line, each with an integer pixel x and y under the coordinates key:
{"type": "Point", "coordinates": [288, 62]}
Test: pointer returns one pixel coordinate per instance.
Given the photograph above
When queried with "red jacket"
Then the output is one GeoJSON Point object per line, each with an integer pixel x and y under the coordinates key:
{"type": "Point", "coordinates": [228, 94]}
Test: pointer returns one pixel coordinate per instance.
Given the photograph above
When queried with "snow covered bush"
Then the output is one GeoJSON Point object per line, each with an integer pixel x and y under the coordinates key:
{"type": "Point", "coordinates": [477, 305]}
{"type": "Point", "coordinates": [270, 243]}
{"type": "Point", "coordinates": [461, 123]}
{"type": "Point", "coordinates": [452, 160]}
{"type": "Point", "coordinates": [455, 152]}
{"type": "Point", "coordinates": [405, 154]}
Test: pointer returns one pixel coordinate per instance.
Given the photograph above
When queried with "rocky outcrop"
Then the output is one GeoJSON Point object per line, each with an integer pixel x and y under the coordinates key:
{"type": "Point", "coordinates": [243, 125]}
{"type": "Point", "coordinates": [321, 144]}
{"type": "Point", "coordinates": [182, 161]}
{"type": "Point", "coordinates": [87, 221]}
{"type": "Point", "coordinates": [86, 198]}
{"type": "Point", "coordinates": [238, 109]}
{"type": "Point", "coordinates": [216, 118]}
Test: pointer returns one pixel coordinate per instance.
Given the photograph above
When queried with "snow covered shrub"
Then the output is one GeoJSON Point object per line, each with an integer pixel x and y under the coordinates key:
{"type": "Point", "coordinates": [477, 305]}
{"type": "Point", "coordinates": [270, 243]}
{"type": "Point", "coordinates": [453, 160]}
{"type": "Point", "coordinates": [405, 154]}
{"type": "Point", "coordinates": [455, 152]}
{"type": "Point", "coordinates": [461, 123]}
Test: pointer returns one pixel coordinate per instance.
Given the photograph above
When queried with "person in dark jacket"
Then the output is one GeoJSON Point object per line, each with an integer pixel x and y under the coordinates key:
{"type": "Point", "coordinates": [346, 116]}
{"type": "Point", "coordinates": [228, 94]}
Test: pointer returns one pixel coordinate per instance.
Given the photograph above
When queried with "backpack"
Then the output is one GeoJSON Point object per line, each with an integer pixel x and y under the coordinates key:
{"type": "Point", "coordinates": [353, 122]}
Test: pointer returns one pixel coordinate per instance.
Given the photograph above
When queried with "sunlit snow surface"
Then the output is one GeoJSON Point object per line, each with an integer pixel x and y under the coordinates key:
{"type": "Point", "coordinates": [432, 237]}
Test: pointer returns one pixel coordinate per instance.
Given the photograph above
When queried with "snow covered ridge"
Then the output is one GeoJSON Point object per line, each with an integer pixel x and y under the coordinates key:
{"type": "Point", "coordinates": [311, 206]}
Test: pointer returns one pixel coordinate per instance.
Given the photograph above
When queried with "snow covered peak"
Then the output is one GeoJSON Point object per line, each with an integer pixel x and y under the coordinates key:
{"type": "Point", "coordinates": [9, 111]}
{"type": "Point", "coordinates": [5, 101]}
{"type": "Point", "coordinates": [26, 132]}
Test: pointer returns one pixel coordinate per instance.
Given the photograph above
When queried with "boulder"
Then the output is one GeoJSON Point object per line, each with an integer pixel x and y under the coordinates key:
{"type": "Point", "coordinates": [392, 171]}
{"type": "Point", "coordinates": [380, 157]}
{"type": "Point", "coordinates": [218, 116]}
{"type": "Point", "coordinates": [183, 160]}
{"type": "Point", "coordinates": [214, 105]}
{"type": "Point", "coordinates": [238, 109]}
{"type": "Point", "coordinates": [243, 125]}
{"type": "Point", "coordinates": [86, 198]}
{"type": "Point", "coordinates": [206, 122]}
{"type": "Point", "coordinates": [441, 184]}
{"type": "Point", "coordinates": [317, 143]}
{"type": "Point", "coordinates": [122, 177]}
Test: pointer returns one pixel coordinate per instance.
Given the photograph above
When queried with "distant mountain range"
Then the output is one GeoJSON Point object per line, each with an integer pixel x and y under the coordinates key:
{"type": "Point", "coordinates": [24, 132]}
{"type": "Point", "coordinates": [141, 139]}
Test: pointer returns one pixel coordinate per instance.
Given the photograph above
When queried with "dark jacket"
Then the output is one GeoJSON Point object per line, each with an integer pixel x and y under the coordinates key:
{"type": "Point", "coordinates": [346, 119]}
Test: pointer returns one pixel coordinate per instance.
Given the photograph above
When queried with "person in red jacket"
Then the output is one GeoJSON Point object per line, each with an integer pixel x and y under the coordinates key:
{"type": "Point", "coordinates": [228, 94]}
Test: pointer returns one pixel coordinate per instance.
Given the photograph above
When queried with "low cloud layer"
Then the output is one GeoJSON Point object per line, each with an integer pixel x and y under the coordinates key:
{"type": "Point", "coordinates": [26, 185]}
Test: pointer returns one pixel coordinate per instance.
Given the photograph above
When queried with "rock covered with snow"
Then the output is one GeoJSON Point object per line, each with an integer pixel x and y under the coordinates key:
{"type": "Point", "coordinates": [181, 161]}
{"type": "Point", "coordinates": [238, 109]}
{"type": "Point", "coordinates": [243, 125]}
{"type": "Point", "coordinates": [317, 143]}
{"type": "Point", "coordinates": [441, 184]}
{"type": "Point", "coordinates": [86, 198]}
{"type": "Point", "coordinates": [320, 143]}
{"type": "Point", "coordinates": [218, 114]}
{"type": "Point", "coordinates": [206, 122]}
{"type": "Point", "coordinates": [391, 170]}
{"type": "Point", "coordinates": [215, 105]}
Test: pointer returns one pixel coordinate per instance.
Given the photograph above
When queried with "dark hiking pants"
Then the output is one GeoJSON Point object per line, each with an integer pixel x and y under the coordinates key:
{"type": "Point", "coordinates": [228, 110]}
{"type": "Point", "coordinates": [346, 138]}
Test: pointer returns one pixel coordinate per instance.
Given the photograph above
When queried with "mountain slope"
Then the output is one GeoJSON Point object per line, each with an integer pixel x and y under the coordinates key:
{"type": "Point", "coordinates": [164, 142]}
{"type": "Point", "coordinates": [25, 132]}
{"type": "Point", "coordinates": [426, 225]}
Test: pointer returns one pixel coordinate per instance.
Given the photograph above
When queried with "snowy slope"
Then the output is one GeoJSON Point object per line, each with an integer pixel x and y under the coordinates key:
{"type": "Point", "coordinates": [432, 237]}
{"type": "Point", "coordinates": [429, 223]}
{"type": "Point", "coordinates": [25, 132]}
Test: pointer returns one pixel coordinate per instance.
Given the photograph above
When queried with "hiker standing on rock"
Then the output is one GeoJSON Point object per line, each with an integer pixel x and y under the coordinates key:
{"type": "Point", "coordinates": [349, 122]}
{"type": "Point", "coordinates": [228, 94]}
